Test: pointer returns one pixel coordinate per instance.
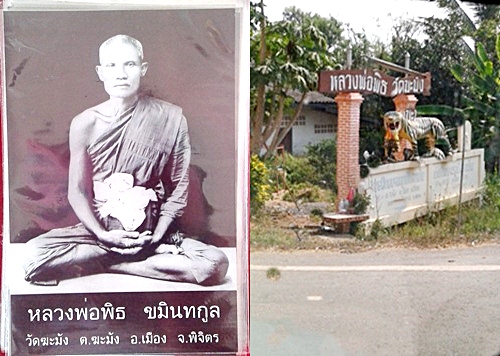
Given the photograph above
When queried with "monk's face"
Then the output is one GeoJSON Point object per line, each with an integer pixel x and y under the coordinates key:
{"type": "Point", "coordinates": [121, 70]}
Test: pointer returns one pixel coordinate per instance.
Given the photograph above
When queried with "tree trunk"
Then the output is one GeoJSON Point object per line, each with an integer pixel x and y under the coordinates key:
{"type": "Point", "coordinates": [256, 141]}
{"type": "Point", "coordinates": [279, 136]}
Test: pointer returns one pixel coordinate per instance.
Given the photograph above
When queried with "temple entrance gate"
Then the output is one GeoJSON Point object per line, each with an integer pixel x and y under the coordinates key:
{"type": "Point", "coordinates": [404, 190]}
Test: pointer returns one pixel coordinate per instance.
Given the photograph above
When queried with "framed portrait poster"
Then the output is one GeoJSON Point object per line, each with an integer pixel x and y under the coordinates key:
{"type": "Point", "coordinates": [125, 170]}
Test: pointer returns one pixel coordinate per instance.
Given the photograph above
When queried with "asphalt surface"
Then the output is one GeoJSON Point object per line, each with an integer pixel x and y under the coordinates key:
{"type": "Point", "coordinates": [381, 302]}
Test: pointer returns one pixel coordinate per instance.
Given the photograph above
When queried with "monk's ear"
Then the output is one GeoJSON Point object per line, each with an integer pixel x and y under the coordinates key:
{"type": "Point", "coordinates": [144, 68]}
{"type": "Point", "coordinates": [98, 69]}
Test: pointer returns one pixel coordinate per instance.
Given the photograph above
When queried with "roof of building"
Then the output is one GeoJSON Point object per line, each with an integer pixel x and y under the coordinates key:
{"type": "Point", "coordinates": [312, 97]}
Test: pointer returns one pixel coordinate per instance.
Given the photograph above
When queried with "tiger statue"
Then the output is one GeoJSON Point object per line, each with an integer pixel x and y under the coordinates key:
{"type": "Point", "coordinates": [429, 128]}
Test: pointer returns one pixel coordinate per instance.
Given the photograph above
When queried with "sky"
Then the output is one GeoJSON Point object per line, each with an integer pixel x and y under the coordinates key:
{"type": "Point", "coordinates": [376, 17]}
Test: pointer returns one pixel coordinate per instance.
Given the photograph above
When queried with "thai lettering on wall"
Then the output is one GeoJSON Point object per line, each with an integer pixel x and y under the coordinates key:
{"type": "Point", "coordinates": [373, 82]}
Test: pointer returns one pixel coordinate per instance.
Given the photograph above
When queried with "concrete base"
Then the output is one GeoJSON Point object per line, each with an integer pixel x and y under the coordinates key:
{"type": "Point", "coordinates": [399, 192]}
{"type": "Point", "coordinates": [342, 222]}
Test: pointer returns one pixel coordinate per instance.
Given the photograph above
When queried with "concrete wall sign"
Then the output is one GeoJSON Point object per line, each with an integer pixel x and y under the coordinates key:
{"type": "Point", "coordinates": [402, 191]}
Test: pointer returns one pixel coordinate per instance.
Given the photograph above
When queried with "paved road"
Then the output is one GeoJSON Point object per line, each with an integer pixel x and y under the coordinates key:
{"type": "Point", "coordinates": [381, 302]}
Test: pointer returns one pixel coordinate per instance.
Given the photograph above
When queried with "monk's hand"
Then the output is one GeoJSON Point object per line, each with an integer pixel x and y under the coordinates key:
{"type": "Point", "coordinates": [147, 238]}
{"type": "Point", "coordinates": [171, 246]}
{"type": "Point", "coordinates": [121, 241]}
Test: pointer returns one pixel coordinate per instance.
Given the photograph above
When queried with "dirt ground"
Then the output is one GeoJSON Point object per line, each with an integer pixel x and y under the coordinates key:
{"type": "Point", "coordinates": [300, 226]}
{"type": "Point", "coordinates": [300, 214]}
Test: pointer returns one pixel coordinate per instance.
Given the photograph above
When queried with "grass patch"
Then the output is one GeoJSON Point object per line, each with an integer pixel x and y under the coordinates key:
{"type": "Point", "coordinates": [266, 233]}
{"type": "Point", "coordinates": [273, 274]}
{"type": "Point", "coordinates": [479, 223]}
{"type": "Point", "coordinates": [281, 232]}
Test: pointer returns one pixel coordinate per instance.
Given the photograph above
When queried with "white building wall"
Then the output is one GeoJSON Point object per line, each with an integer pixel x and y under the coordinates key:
{"type": "Point", "coordinates": [317, 126]}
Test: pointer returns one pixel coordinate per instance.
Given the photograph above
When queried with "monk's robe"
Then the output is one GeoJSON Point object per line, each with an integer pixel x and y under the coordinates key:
{"type": "Point", "coordinates": [140, 170]}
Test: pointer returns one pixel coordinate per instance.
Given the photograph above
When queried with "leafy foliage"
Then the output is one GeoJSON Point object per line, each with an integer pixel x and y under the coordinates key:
{"type": "Point", "coordinates": [316, 167]}
{"type": "Point", "coordinates": [260, 190]}
{"type": "Point", "coordinates": [323, 158]}
{"type": "Point", "coordinates": [436, 53]}
{"type": "Point", "coordinates": [285, 56]}
{"type": "Point", "coordinates": [298, 170]}
{"type": "Point", "coordinates": [481, 105]}
{"type": "Point", "coordinates": [492, 192]}
{"type": "Point", "coordinates": [360, 203]}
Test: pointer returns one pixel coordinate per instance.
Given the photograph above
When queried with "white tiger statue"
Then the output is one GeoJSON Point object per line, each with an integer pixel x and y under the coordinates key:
{"type": "Point", "coordinates": [432, 129]}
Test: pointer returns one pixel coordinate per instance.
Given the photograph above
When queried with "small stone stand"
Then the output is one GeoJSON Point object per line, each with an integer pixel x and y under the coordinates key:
{"type": "Point", "coordinates": [342, 222]}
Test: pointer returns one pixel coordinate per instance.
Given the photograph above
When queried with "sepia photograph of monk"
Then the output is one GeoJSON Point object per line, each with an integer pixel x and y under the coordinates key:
{"type": "Point", "coordinates": [121, 146]}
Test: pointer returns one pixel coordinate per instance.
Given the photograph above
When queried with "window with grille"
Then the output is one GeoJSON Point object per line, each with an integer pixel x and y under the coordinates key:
{"type": "Point", "coordinates": [301, 121]}
{"type": "Point", "coordinates": [323, 128]}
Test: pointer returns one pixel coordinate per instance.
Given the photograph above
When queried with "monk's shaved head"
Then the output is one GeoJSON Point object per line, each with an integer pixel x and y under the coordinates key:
{"type": "Point", "coordinates": [122, 39]}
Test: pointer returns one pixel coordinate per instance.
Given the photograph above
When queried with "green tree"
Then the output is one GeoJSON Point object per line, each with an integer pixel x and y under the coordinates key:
{"type": "Point", "coordinates": [323, 158]}
{"type": "Point", "coordinates": [480, 27]}
{"type": "Point", "coordinates": [469, 89]}
{"type": "Point", "coordinates": [285, 55]}
{"type": "Point", "coordinates": [439, 49]}
{"type": "Point", "coordinates": [481, 106]}
{"type": "Point", "coordinates": [260, 190]}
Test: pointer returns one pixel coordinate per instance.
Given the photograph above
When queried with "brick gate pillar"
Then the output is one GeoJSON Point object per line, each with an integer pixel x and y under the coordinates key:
{"type": "Point", "coordinates": [404, 102]}
{"type": "Point", "coordinates": [348, 108]}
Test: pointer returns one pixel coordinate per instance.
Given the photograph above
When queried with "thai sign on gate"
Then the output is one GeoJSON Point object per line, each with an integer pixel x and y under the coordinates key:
{"type": "Point", "coordinates": [373, 82]}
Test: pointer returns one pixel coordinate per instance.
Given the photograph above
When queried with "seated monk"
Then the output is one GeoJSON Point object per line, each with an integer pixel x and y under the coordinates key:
{"type": "Point", "coordinates": [128, 180]}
